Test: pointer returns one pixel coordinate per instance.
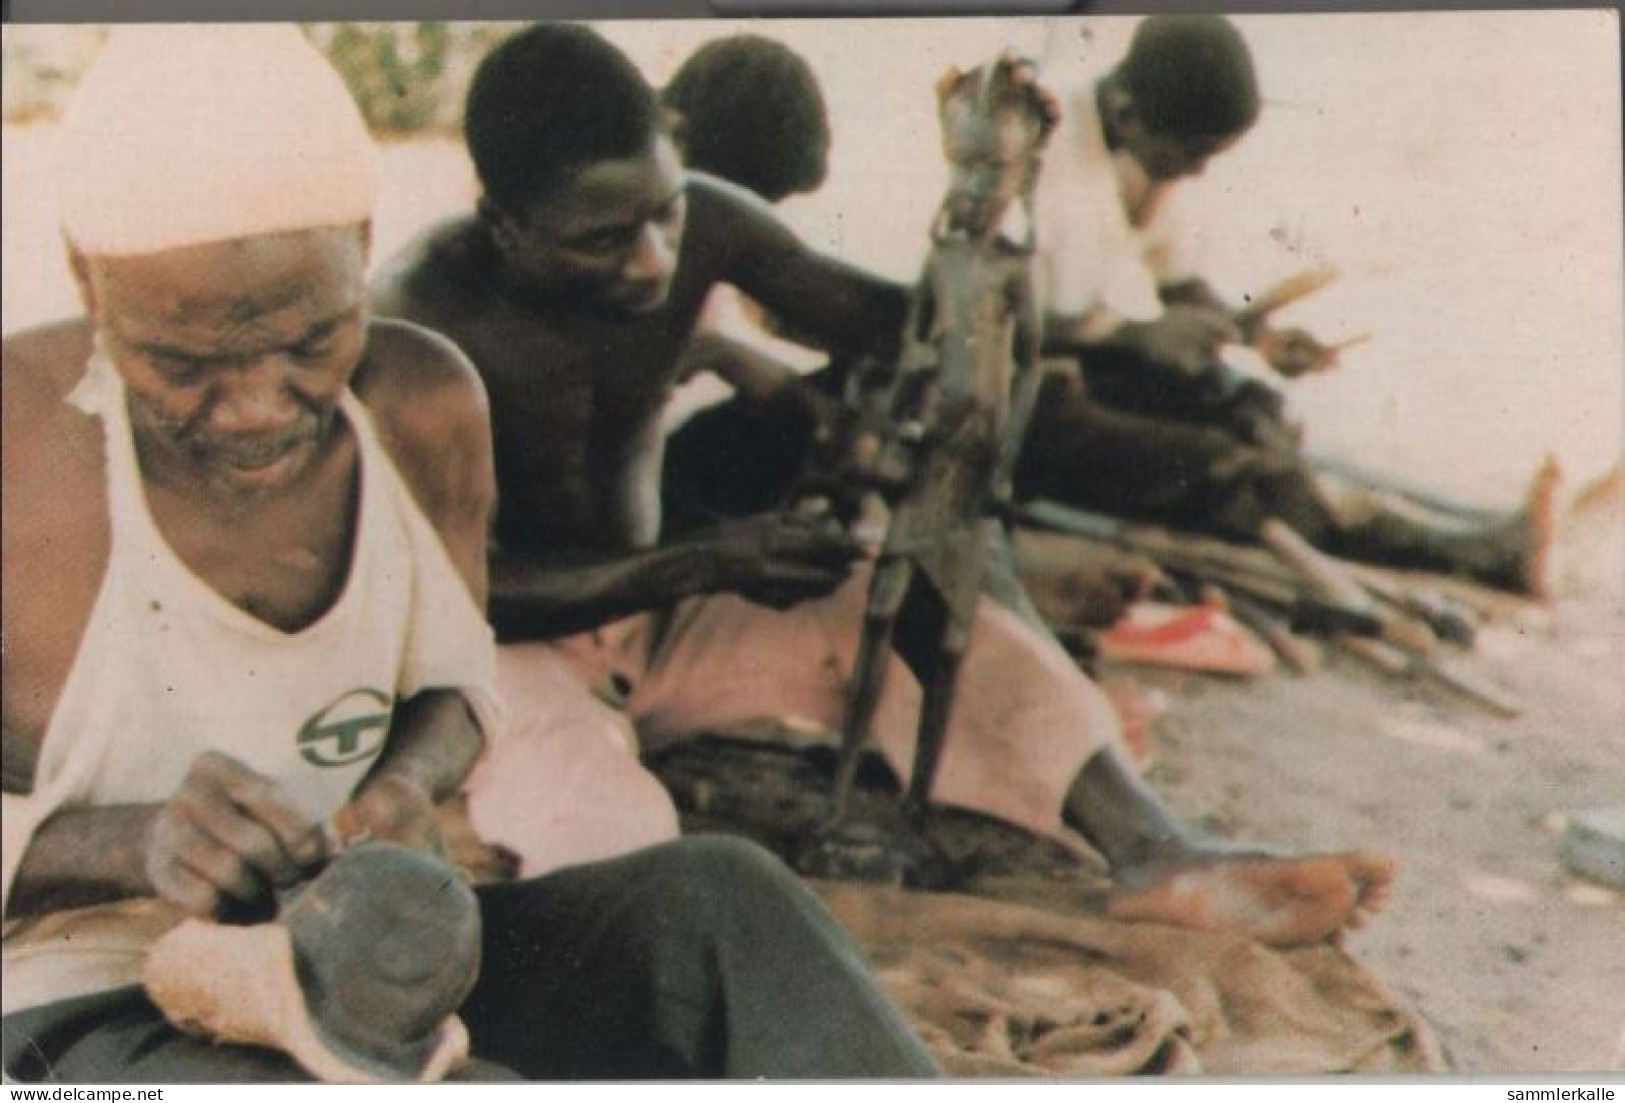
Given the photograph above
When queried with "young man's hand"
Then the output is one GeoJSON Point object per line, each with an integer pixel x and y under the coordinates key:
{"type": "Point", "coordinates": [1094, 590]}
{"type": "Point", "coordinates": [797, 403]}
{"type": "Point", "coordinates": [782, 559]}
{"type": "Point", "coordinates": [1185, 338]}
{"type": "Point", "coordinates": [227, 839]}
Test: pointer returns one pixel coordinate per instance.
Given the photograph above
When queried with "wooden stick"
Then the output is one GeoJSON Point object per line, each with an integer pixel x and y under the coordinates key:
{"type": "Point", "coordinates": [1329, 577]}
{"type": "Point", "coordinates": [1255, 572]}
{"type": "Point", "coordinates": [1285, 293]}
{"type": "Point", "coordinates": [1448, 674]}
{"type": "Point", "coordinates": [1301, 656]}
{"type": "Point", "coordinates": [1155, 541]}
{"type": "Point", "coordinates": [1450, 621]}
{"type": "Point", "coordinates": [1317, 568]}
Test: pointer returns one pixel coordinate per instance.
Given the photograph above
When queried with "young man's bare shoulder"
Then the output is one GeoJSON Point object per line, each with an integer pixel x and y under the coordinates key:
{"type": "Point", "coordinates": [731, 228]}
{"type": "Point", "coordinates": [724, 197]}
{"type": "Point", "coordinates": [430, 409]}
{"type": "Point", "coordinates": [415, 380]}
{"type": "Point", "coordinates": [719, 207]}
{"type": "Point", "coordinates": [440, 274]}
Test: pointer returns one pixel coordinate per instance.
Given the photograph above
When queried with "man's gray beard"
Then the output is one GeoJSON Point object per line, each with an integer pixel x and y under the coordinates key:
{"type": "Point", "coordinates": [212, 460]}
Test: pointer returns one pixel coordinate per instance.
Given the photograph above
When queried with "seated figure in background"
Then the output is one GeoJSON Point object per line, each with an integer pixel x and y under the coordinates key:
{"type": "Point", "coordinates": [1156, 426]}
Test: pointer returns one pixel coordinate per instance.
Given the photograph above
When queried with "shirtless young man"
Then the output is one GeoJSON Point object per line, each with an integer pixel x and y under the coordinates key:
{"type": "Point", "coordinates": [574, 290]}
{"type": "Point", "coordinates": [244, 570]}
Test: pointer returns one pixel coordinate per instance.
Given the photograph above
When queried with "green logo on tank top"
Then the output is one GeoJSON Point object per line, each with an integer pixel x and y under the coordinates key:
{"type": "Point", "coordinates": [349, 730]}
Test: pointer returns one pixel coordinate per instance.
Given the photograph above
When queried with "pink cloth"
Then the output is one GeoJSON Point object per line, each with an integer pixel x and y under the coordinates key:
{"type": "Point", "coordinates": [564, 785]}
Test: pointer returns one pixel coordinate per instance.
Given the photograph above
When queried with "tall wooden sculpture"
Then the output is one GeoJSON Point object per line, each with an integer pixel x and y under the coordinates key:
{"type": "Point", "coordinates": [959, 401]}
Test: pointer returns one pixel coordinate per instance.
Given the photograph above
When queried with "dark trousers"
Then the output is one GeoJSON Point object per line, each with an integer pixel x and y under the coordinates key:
{"type": "Point", "coordinates": [703, 957]}
{"type": "Point", "coordinates": [735, 459]}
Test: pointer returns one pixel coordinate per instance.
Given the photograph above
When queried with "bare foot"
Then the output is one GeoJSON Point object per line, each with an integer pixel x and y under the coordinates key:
{"type": "Point", "coordinates": [1280, 901]}
{"type": "Point", "coordinates": [1539, 514]}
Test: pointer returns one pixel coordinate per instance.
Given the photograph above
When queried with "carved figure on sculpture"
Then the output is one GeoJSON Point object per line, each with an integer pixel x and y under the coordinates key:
{"type": "Point", "coordinates": [958, 401]}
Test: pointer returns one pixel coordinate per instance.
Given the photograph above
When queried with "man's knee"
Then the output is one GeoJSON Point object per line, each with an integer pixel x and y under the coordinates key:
{"type": "Point", "coordinates": [1273, 486]}
{"type": "Point", "coordinates": [719, 873]}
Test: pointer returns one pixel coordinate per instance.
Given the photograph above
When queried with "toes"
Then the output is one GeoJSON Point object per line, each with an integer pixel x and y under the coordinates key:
{"type": "Point", "coordinates": [1373, 876]}
{"type": "Point", "coordinates": [1376, 867]}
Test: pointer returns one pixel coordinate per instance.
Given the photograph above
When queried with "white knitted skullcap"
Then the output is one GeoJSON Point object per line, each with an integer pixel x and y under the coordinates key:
{"type": "Point", "coordinates": [180, 135]}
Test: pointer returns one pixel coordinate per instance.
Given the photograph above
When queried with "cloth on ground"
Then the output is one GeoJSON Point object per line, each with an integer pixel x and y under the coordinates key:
{"type": "Point", "coordinates": [1006, 989]}
{"type": "Point", "coordinates": [565, 784]}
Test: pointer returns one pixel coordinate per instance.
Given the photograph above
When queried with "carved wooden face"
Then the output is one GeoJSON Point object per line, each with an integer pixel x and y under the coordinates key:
{"type": "Point", "coordinates": [991, 135]}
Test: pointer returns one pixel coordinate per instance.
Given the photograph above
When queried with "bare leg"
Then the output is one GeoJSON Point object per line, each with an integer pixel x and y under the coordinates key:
{"type": "Point", "coordinates": [1166, 872]}
{"type": "Point", "coordinates": [869, 673]}
{"type": "Point", "coordinates": [872, 845]}
{"type": "Point", "coordinates": [1509, 551]}
{"type": "Point", "coordinates": [934, 710]}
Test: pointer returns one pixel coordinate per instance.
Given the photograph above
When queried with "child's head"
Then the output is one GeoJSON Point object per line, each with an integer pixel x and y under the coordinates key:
{"type": "Point", "coordinates": [1186, 91]}
{"type": "Point", "coordinates": [750, 111]}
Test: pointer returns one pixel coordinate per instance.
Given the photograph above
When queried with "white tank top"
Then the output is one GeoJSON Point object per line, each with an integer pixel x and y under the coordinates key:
{"type": "Point", "coordinates": [167, 669]}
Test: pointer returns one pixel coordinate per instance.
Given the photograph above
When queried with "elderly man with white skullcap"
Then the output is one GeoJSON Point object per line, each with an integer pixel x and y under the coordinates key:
{"type": "Point", "coordinates": [244, 580]}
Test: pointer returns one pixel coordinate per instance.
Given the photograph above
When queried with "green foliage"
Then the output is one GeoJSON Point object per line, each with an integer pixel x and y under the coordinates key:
{"type": "Point", "coordinates": [394, 70]}
{"type": "Point", "coordinates": [406, 77]}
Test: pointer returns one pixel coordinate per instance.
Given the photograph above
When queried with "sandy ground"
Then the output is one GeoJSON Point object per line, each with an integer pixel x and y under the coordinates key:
{"type": "Point", "coordinates": [1518, 965]}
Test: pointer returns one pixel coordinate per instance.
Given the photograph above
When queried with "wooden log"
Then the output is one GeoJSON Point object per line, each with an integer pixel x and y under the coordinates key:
{"type": "Point", "coordinates": [1190, 549]}
{"type": "Point", "coordinates": [1317, 568]}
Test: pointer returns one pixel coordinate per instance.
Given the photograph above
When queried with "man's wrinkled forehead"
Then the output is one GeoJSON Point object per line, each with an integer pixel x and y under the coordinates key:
{"type": "Point", "coordinates": [197, 294]}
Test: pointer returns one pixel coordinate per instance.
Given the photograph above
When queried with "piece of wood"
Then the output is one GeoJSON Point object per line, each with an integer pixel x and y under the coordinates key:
{"type": "Point", "coordinates": [1317, 568]}
{"type": "Point", "coordinates": [1187, 549]}
{"type": "Point", "coordinates": [1459, 678]}
{"type": "Point", "coordinates": [1449, 674]}
{"type": "Point", "coordinates": [1449, 620]}
{"type": "Point", "coordinates": [1336, 583]}
{"type": "Point", "coordinates": [1300, 655]}
{"type": "Point", "coordinates": [1385, 658]}
{"type": "Point", "coordinates": [1285, 293]}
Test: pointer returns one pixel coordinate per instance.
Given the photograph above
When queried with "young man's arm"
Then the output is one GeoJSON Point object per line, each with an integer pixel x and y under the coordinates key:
{"type": "Point", "coordinates": [1291, 350]}
{"type": "Point", "coordinates": [755, 375]}
{"type": "Point", "coordinates": [433, 418]}
{"type": "Point", "coordinates": [775, 559]}
{"type": "Point", "coordinates": [836, 305]}
{"type": "Point", "coordinates": [1183, 339]}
